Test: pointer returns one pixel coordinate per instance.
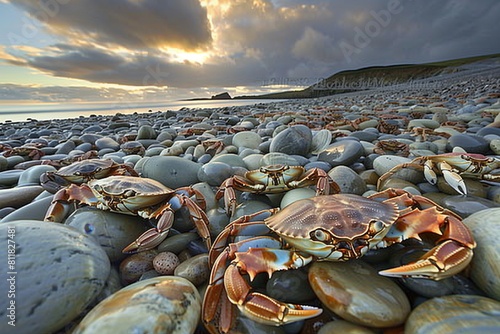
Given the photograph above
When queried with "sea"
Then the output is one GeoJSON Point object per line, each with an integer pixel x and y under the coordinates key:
{"type": "Point", "coordinates": [23, 112]}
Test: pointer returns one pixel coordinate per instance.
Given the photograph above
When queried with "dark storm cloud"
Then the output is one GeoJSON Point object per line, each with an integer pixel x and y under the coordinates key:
{"type": "Point", "coordinates": [253, 41]}
{"type": "Point", "coordinates": [128, 23]}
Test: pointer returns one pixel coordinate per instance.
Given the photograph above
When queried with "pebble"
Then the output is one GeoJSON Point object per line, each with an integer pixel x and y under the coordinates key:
{"type": "Point", "coordinates": [165, 304]}
{"type": "Point", "coordinates": [293, 140]}
{"type": "Point", "coordinates": [349, 181]}
{"type": "Point", "coordinates": [195, 269]}
{"type": "Point", "coordinates": [113, 231]}
{"type": "Point", "coordinates": [171, 171]}
{"type": "Point", "coordinates": [356, 292]}
{"type": "Point", "coordinates": [165, 263]}
{"type": "Point", "coordinates": [135, 265]}
{"type": "Point", "coordinates": [455, 314]}
{"type": "Point", "coordinates": [485, 265]}
{"type": "Point", "coordinates": [343, 152]}
{"type": "Point", "coordinates": [60, 271]}
{"type": "Point", "coordinates": [247, 139]}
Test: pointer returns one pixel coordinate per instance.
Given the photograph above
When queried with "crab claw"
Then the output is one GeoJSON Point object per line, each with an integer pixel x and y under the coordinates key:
{"type": "Point", "coordinates": [442, 261]}
{"type": "Point", "coordinates": [453, 179]}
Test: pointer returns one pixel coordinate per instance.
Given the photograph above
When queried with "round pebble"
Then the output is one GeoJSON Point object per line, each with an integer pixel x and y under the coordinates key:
{"type": "Point", "coordinates": [165, 263]}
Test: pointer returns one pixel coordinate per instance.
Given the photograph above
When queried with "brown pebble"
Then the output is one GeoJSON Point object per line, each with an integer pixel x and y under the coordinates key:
{"type": "Point", "coordinates": [133, 266]}
{"type": "Point", "coordinates": [165, 263]}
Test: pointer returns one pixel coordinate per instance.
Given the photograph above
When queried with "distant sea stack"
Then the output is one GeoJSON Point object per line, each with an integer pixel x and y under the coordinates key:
{"type": "Point", "coordinates": [222, 96]}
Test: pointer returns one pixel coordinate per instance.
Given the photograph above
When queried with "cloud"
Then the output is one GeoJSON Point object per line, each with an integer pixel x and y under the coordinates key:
{"type": "Point", "coordinates": [126, 23]}
{"type": "Point", "coordinates": [223, 43]}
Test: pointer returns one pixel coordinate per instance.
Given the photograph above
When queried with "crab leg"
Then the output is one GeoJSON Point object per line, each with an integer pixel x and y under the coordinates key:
{"type": "Point", "coordinates": [324, 185]}
{"type": "Point", "coordinates": [227, 189]}
{"type": "Point", "coordinates": [227, 285]}
{"type": "Point", "coordinates": [154, 236]}
{"type": "Point", "coordinates": [416, 163]}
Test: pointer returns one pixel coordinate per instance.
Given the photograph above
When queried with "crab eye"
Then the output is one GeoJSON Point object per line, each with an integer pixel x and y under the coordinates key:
{"type": "Point", "coordinates": [376, 226]}
{"type": "Point", "coordinates": [98, 188]}
{"type": "Point", "coordinates": [321, 235]}
{"type": "Point", "coordinates": [129, 193]}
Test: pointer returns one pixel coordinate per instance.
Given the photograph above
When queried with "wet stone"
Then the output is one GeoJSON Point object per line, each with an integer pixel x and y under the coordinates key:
{"type": "Point", "coordinates": [384, 163]}
{"type": "Point", "coordinates": [165, 263]}
{"type": "Point", "coordinates": [19, 196]}
{"type": "Point", "coordinates": [357, 293]}
{"type": "Point", "coordinates": [133, 266]}
{"type": "Point", "coordinates": [343, 152]}
{"type": "Point", "coordinates": [214, 173]}
{"type": "Point", "coordinates": [485, 265]}
{"type": "Point", "coordinates": [465, 206]}
{"type": "Point", "coordinates": [177, 243]}
{"type": "Point", "coordinates": [194, 269]}
{"type": "Point", "coordinates": [45, 299]}
{"type": "Point", "coordinates": [290, 286]}
{"type": "Point", "coordinates": [348, 180]}
{"type": "Point", "coordinates": [344, 327]}
{"type": "Point", "coordinates": [293, 140]}
{"type": "Point", "coordinates": [165, 304]}
{"type": "Point", "coordinates": [455, 314]}
{"type": "Point", "coordinates": [470, 143]}
{"type": "Point", "coordinates": [173, 172]}
{"type": "Point", "coordinates": [113, 231]}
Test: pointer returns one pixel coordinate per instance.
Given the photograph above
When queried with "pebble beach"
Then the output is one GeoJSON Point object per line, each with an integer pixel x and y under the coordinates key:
{"type": "Point", "coordinates": [74, 278]}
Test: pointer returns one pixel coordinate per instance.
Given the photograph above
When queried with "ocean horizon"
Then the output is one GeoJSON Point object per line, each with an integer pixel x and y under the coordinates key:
{"type": "Point", "coordinates": [49, 111]}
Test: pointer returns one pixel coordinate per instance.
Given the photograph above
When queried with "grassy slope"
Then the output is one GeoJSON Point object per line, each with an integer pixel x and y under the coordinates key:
{"type": "Point", "coordinates": [394, 73]}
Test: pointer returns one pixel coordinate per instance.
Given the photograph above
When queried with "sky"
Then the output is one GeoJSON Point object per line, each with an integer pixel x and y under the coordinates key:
{"type": "Point", "coordinates": [156, 50]}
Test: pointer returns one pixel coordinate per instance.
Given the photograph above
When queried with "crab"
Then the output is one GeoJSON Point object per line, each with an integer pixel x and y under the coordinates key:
{"type": "Point", "coordinates": [273, 179]}
{"type": "Point", "coordinates": [390, 146]}
{"type": "Point", "coordinates": [336, 227]}
{"type": "Point", "coordinates": [83, 171]}
{"type": "Point", "coordinates": [453, 166]}
{"type": "Point", "coordinates": [137, 196]}
{"type": "Point", "coordinates": [30, 151]}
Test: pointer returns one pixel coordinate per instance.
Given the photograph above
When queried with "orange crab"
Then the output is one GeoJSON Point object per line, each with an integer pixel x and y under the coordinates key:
{"type": "Point", "coordinates": [325, 228]}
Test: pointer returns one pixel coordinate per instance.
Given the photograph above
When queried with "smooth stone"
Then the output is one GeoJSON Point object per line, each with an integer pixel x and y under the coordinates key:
{"type": "Point", "coordinates": [10, 177]}
{"type": "Point", "coordinates": [488, 130]}
{"type": "Point", "coordinates": [252, 161]}
{"type": "Point", "coordinates": [397, 184]}
{"type": "Point", "coordinates": [19, 196]}
{"type": "Point", "coordinates": [296, 139]}
{"type": "Point", "coordinates": [33, 211]}
{"type": "Point", "coordinates": [325, 166]}
{"type": "Point", "coordinates": [107, 143]}
{"type": "Point", "coordinates": [455, 314]}
{"type": "Point", "coordinates": [369, 176]}
{"type": "Point", "coordinates": [281, 283]}
{"type": "Point", "coordinates": [275, 158]}
{"type": "Point", "coordinates": [470, 143]}
{"type": "Point", "coordinates": [172, 151]}
{"type": "Point", "coordinates": [113, 231]}
{"type": "Point", "coordinates": [194, 269]}
{"type": "Point", "coordinates": [177, 243]}
{"type": "Point", "coordinates": [423, 123]}
{"type": "Point", "coordinates": [365, 136]}
{"type": "Point", "coordinates": [146, 132]}
{"type": "Point", "coordinates": [31, 176]}
{"type": "Point", "coordinates": [485, 265]}
{"type": "Point", "coordinates": [321, 140]}
{"type": "Point", "coordinates": [208, 194]}
{"type": "Point", "coordinates": [372, 123]}
{"type": "Point", "coordinates": [232, 160]}
{"type": "Point", "coordinates": [165, 304]}
{"type": "Point", "coordinates": [465, 206]}
{"type": "Point", "coordinates": [3, 163]}
{"type": "Point", "coordinates": [249, 207]}
{"type": "Point", "coordinates": [357, 293]}
{"type": "Point", "coordinates": [495, 146]}
{"type": "Point", "coordinates": [218, 221]}
{"type": "Point", "coordinates": [494, 194]}
{"type": "Point", "coordinates": [135, 265]}
{"type": "Point", "coordinates": [65, 148]}
{"type": "Point", "coordinates": [245, 325]}
{"type": "Point", "coordinates": [348, 180]}
{"type": "Point", "coordinates": [344, 327]}
{"type": "Point", "coordinates": [12, 161]}
{"type": "Point", "coordinates": [173, 172]}
{"type": "Point", "coordinates": [214, 173]}
{"type": "Point", "coordinates": [60, 271]}
{"type": "Point", "coordinates": [343, 152]}
{"type": "Point", "coordinates": [384, 163]}
{"type": "Point", "coordinates": [295, 195]}
{"type": "Point", "coordinates": [248, 139]}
